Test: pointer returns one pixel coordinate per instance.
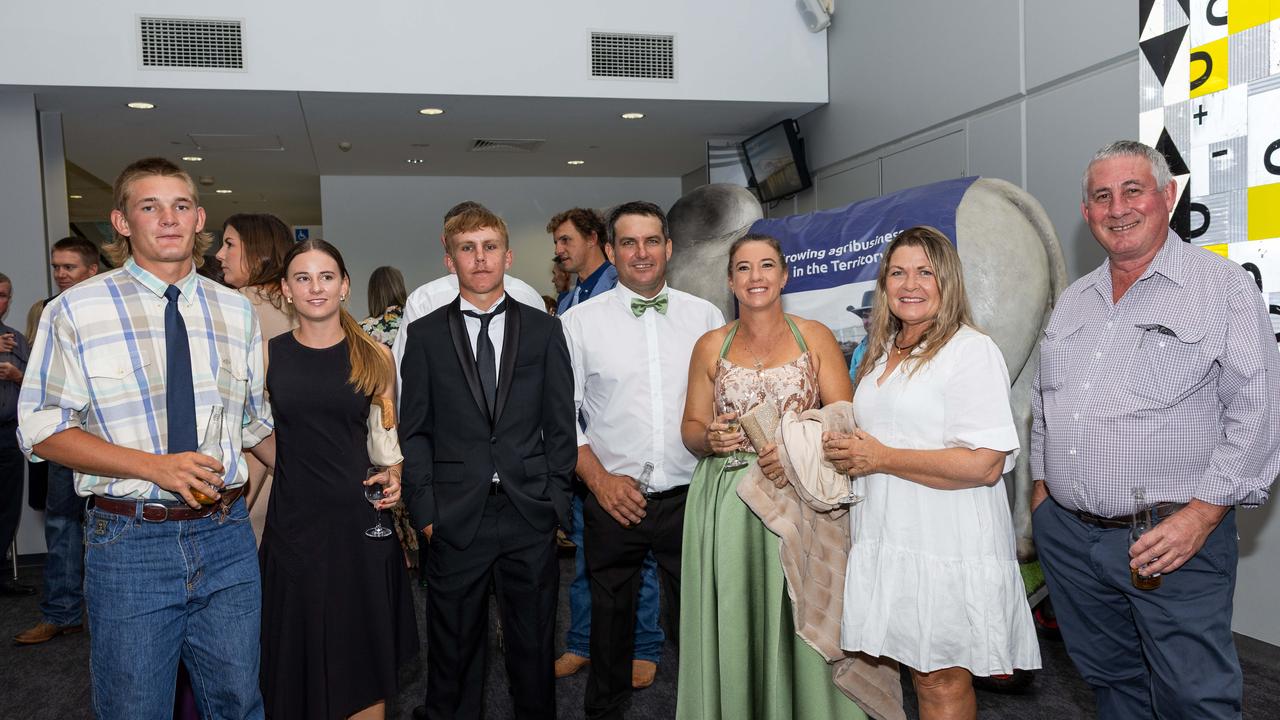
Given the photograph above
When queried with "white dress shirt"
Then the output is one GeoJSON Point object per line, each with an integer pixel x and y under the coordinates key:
{"type": "Point", "coordinates": [497, 328]}
{"type": "Point", "coordinates": [497, 331]}
{"type": "Point", "coordinates": [440, 292]}
{"type": "Point", "coordinates": [630, 378]}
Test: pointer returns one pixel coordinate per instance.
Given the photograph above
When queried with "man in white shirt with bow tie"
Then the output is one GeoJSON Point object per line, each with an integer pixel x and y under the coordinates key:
{"type": "Point", "coordinates": [630, 392]}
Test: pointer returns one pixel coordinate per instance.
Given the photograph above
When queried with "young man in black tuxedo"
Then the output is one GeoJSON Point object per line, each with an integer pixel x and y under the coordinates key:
{"type": "Point", "coordinates": [488, 434]}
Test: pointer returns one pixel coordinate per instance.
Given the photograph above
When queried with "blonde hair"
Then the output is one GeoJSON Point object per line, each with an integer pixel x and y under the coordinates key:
{"type": "Point", "coordinates": [119, 250]}
{"type": "Point", "coordinates": [953, 303]}
{"type": "Point", "coordinates": [470, 220]}
{"type": "Point", "coordinates": [370, 370]}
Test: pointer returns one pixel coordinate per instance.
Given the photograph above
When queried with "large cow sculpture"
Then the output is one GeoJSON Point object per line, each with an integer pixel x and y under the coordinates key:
{"type": "Point", "coordinates": [1013, 270]}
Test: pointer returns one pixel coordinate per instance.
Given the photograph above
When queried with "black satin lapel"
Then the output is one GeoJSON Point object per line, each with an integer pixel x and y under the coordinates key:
{"type": "Point", "coordinates": [510, 345]}
{"type": "Point", "coordinates": [466, 359]}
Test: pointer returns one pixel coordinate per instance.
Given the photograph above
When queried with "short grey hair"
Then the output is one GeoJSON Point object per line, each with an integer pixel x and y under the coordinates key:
{"type": "Point", "coordinates": [1131, 148]}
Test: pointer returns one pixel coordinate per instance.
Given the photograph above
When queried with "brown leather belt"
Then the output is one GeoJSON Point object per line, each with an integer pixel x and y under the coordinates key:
{"type": "Point", "coordinates": [1159, 511]}
{"type": "Point", "coordinates": [160, 511]}
{"type": "Point", "coordinates": [666, 494]}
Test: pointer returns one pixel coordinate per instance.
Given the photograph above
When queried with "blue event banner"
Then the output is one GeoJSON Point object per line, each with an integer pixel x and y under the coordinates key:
{"type": "Point", "coordinates": [833, 248]}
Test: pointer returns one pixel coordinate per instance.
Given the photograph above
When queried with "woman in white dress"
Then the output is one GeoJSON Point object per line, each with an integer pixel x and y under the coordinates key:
{"type": "Point", "coordinates": [932, 580]}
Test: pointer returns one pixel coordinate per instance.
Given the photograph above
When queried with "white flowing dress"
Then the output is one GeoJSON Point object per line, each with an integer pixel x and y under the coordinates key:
{"type": "Point", "coordinates": [933, 580]}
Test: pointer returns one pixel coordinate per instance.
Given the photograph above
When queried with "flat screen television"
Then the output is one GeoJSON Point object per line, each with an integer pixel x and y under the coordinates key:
{"type": "Point", "coordinates": [775, 161]}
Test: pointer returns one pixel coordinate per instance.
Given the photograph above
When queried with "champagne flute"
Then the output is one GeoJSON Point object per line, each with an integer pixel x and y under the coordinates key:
{"type": "Point", "coordinates": [373, 493]}
{"type": "Point", "coordinates": [735, 461]}
{"type": "Point", "coordinates": [854, 497]}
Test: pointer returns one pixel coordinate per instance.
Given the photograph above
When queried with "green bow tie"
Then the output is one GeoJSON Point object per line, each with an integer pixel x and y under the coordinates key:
{"type": "Point", "coordinates": [639, 305]}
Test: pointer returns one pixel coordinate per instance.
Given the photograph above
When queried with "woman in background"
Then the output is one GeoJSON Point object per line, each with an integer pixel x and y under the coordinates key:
{"type": "Point", "coordinates": [932, 579]}
{"type": "Point", "coordinates": [337, 614]}
{"type": "Point", "coordinates": [740, 656]}
{"type": "Point", "coordinates": [253, 249]}
{"type": "Point", "coordinates": [386, 290]}
{"type": "Point", "coordinates": [386, 304]}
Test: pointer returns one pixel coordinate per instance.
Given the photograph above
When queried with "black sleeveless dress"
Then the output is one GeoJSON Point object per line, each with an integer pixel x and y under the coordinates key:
{"type": "Point", "coordinates": [337, 613]}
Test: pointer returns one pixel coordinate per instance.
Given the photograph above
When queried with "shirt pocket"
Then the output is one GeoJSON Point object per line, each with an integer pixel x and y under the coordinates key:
{"type": "Point", "coordinates": [1057, 347]}
{"type": "Point", "coordinates": [1169, 362]}
{"type": "Point", "coordinates": [112, 373]}
{"type": "Point", "coordinates": [233, 382]}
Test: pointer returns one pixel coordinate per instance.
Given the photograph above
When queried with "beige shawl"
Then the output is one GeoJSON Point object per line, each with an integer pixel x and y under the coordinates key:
{"type": "Point", "coordinates": [814, 549]}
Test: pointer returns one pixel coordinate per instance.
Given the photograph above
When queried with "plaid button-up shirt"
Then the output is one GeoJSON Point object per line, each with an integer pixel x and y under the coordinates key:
{"type": "Point", "coordinates": [1176, 388]}
{"type": "Point", "coordinates": [99, 364]}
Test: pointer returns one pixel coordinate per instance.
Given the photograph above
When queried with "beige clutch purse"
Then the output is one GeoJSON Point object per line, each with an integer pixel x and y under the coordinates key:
{"type": "Point", "coordinates": [383, 444]}
{"type": "Point", "coordinates": [760, 423]}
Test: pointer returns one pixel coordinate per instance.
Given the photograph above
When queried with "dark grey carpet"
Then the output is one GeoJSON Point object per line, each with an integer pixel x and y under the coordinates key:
{"type": "Point", "coordinates": [51, 681]}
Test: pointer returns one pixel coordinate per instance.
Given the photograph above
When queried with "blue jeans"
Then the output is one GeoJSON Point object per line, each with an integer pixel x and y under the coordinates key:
{"type": "Point", "coordinates": [157, 592]}
{"type": "Point", "coordinates": [649, 636]}
{"type": "Point", "coordinates": [63, 602]}
{"type": "Point", "coordinates": [1166, 653]}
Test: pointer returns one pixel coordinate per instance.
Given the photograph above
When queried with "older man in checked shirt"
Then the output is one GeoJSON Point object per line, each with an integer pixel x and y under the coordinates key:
{"type": "Point", "coordinates": [1157, 370]}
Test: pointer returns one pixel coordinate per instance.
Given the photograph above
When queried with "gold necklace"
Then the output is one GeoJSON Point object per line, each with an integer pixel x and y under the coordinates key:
{"type": "Point", "coordinates": [759, 364]}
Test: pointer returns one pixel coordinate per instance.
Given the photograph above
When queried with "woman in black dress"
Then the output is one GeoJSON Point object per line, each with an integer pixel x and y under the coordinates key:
{"type": "Point", "coordinates": [337, 613]}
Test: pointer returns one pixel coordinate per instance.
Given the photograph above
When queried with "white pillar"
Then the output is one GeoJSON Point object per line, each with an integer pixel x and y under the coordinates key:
{"type": "Point", "coordinates": [24, 257]}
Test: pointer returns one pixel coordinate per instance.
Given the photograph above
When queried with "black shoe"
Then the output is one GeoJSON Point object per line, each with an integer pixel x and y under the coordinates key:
{"type": "Point", "coordinates": [420, 713]}
{"type": "Point", "coordinates": [13, 588]}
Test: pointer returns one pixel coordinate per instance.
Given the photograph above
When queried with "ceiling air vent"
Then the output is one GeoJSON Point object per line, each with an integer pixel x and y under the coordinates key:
{"type": "Point", "coordinates": [631, 55]}
{"type": "Point", "coordinates": [505, 145]}
{"type": "Point", "coordinates": [170, 42]}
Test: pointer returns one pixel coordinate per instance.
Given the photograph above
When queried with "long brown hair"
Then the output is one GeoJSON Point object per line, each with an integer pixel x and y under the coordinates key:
{"type": "Point", "coordinates": [386, 288]}
{"type": "Point", "coordinates": [119, 250]}
{"type": "Point", "coordinates": [953, 303]}
{"type": "Point", "coordinates": [264, 242]}
{"type": "Point", "coordinates": [370, 371]}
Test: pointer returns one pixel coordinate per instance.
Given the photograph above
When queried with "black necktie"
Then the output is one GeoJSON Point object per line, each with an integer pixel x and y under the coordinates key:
{"type": "Point", "coordinates": [179, 393]}
{"type": "Point", "coordinates": [486, 360]}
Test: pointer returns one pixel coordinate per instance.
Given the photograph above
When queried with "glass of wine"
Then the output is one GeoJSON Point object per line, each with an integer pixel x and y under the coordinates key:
{"type": "Point", "coordinates": [735, 461]}
{"type": "Point", "coordinates": [854, 497]}
{"type": "Point", "coordinates": [373, 493]}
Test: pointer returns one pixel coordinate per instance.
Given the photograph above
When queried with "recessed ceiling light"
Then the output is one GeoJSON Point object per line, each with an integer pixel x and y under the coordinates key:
{"type": "Point", "coordinates": [576, 162]}
{"type": "Point", "coordinates": [632, 116]}
{"type": "Point", "coordinates": [223, 191]}
{"type": "Point", "coordinates": [141, 105]}
{"type": "Point", "coordinates": [431, 111]}
{"type": "Point", "coordinates": [192, 158]}
{"type": "Point", "coordinates": [414, 161]}
{"type": "Point", "coordinates": [76, 197]}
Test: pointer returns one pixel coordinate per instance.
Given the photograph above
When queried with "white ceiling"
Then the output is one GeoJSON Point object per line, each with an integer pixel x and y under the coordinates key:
{"type": "Point", "coordinates": [102, 136]}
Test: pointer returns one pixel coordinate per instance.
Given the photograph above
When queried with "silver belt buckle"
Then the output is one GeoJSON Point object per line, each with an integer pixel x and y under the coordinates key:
{"type": "Point", "coordinates": [163, 508]}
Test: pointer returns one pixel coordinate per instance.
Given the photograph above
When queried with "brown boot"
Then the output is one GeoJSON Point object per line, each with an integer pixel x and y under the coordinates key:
{"type": "Point", "coordinates": [44, 632]}
{"type": "Point", "coordinates": [568, 664]}
{"type": "Point", "coordinates": [642, 673]}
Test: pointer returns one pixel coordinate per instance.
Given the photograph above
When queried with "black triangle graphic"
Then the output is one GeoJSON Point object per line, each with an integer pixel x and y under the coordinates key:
{"type": "Point", "coordinates": [1162, 50]}
{"type": "Point", "coordinates": [1180, 222]}
{"type": "Point", "coordinates": [1186, 7]}
{"type": "Point", "coordinates": [1165, 147]}
{"type": "Point", "coordinates": [1144, 13]}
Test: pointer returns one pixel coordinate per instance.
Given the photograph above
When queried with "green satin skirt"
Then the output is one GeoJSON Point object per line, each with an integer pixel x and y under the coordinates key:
{"type": "Point", "coordinates": [740, 658]}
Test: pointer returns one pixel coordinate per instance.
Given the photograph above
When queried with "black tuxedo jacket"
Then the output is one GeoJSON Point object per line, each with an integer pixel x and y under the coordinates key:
{"type": "Point", "coordinates": [451, 445]}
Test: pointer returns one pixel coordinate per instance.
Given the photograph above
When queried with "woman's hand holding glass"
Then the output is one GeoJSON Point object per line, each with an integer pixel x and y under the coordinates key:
{"type": "Point", "coordinates": [389, 479]}
{"type": "Point", "coordinates": [724, 435]}
{"type": "Point", "coordinates": [855, 453]}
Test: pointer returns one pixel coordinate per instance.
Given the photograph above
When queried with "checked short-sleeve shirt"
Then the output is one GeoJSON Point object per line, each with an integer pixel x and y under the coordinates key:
{"type": "Point", "coordinates": [99, 364]}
